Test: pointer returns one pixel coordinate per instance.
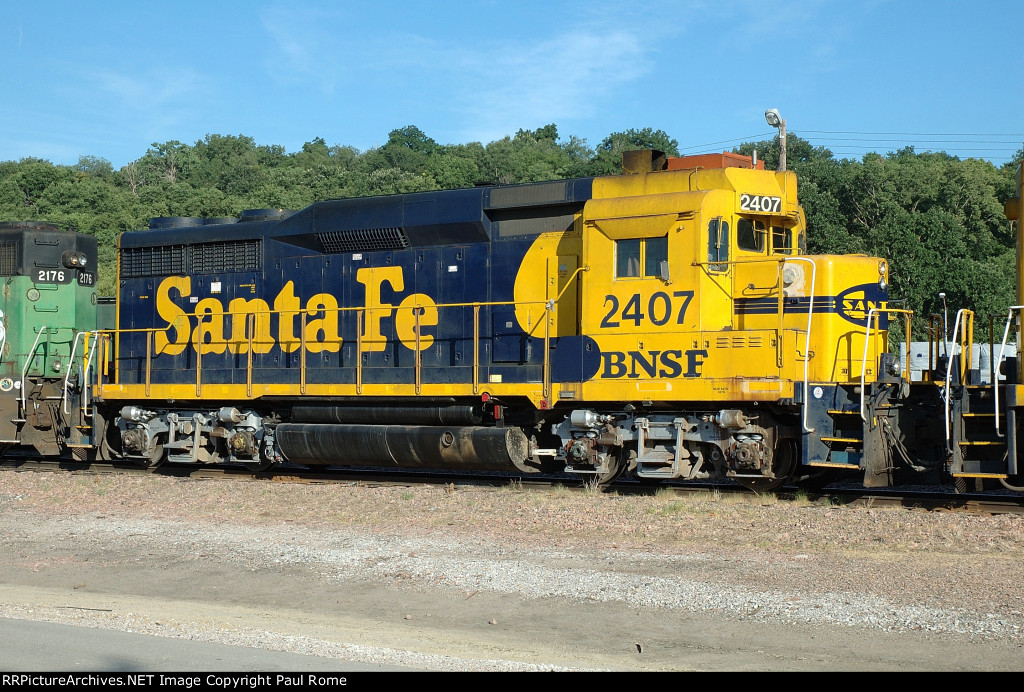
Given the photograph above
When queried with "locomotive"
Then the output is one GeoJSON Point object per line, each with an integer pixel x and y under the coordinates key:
{"type": "Point", "coordinates": [49, 310]}
{"type": "Point", "coordinates": [666, 322]}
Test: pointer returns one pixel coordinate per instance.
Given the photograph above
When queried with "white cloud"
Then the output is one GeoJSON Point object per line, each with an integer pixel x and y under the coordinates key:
{"type": "Point", "coordinates": [558, 78]}
{"type": "Point", "coordinates": [481, 86]}
{"type": "Point", "coordinates": [305, 50]}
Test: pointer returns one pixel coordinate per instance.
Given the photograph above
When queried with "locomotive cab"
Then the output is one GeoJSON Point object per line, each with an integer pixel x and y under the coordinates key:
{"type": "Point", "coordinates": [711, 320]}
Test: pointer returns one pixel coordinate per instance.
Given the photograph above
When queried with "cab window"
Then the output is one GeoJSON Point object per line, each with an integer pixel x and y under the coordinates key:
{"type": "Point", "coordinates": [655, 252]}
{"type": "Point", "coordinates": [782, 240]}
{"type": "Point", "coordinates": [718, 244]}
{"type": "Point", "coordinates": [635, 254]}
{"type": "Point", "coordinates": [751, 235]}
{"type": "Point", "coordinates": [627, 258]}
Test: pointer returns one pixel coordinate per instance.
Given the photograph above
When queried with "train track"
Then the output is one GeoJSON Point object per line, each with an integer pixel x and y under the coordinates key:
{"type": "Point", "coordinates": [933, 499]}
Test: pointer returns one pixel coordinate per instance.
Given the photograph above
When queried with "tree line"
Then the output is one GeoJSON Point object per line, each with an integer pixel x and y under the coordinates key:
{"type": "Point", "coordinates": [936, 218]}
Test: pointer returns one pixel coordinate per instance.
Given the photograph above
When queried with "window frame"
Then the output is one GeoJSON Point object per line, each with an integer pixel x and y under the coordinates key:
{"type": "Point", "coordinates": [642, 257]}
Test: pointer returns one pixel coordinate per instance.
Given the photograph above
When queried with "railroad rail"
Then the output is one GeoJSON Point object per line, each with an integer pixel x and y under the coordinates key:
{"type": "Point", "coordinates": [932, 499]}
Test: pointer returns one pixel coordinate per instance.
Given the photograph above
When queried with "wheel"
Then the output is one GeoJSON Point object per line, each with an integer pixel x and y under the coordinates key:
{"type": "Point", "coordinates": [761, 485]}
{"type": "Point", "coordinates": [784, 463]}
{"type": "Point", "coordinates": [618, 459]}
{"type": "Point", "coordinates": [110, 442]}
{"type": "Point", "coordinates": [154, 457]}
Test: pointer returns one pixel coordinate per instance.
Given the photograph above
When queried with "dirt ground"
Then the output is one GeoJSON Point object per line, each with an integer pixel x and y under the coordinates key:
{"type": "Point", "coordinates": [505, 579]}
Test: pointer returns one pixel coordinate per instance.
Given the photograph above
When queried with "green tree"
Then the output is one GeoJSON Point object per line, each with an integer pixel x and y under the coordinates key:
{"type": "Point", "coordinates": [608, 155]}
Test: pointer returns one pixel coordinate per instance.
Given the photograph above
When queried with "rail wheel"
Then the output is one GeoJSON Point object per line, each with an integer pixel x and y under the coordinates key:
{"type": "Point", "coordinates": [110, 442]}
{"type": "Point", "coordinates": [154, 457]}
{"type": "Point", "coordinates": [617, 459]}
{"type": "Point", "coordinates": [784, 463]}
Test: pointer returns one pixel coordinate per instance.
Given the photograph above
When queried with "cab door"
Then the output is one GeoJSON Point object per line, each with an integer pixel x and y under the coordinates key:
{"type": "Point", "coordinates": [716, 277]}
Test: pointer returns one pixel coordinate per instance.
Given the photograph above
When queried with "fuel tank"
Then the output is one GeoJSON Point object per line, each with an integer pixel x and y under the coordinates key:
{"type": "Point", "coordinates": [469, 448]}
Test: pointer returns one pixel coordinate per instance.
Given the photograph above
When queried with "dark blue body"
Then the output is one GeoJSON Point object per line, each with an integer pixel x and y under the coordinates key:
{"type": "Point", "coordinates": [460, 246]}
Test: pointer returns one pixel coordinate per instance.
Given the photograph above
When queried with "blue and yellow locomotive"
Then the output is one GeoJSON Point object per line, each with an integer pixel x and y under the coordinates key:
{"type": "Point", "coordinates": [665, 321]}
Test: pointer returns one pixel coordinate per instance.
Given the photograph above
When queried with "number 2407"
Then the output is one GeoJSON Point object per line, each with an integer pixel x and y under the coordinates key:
{"type": "Point", "coordinates": [660, 309]}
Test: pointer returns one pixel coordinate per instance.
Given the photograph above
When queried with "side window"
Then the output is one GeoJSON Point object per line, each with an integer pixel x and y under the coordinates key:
{"type": "Point", "coordinates": [627, 258]}
{"type": "Point", "coordinates": [718, 245]}
{"type": "Point", "coordinates": [635, 253]}
{"type": "Point", "coordinates": [751, 235]}
{"type": "Point", "coordinates": [655, 252]}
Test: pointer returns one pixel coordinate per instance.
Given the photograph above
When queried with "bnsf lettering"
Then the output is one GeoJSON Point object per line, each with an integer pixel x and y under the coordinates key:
{"type": "Point", "coordinates": [652, 364]}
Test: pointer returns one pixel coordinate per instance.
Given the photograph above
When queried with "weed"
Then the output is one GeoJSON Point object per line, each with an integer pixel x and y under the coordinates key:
{"type": "Point", "coordinates": [801, 498]}
{"type": "Point", "coordinates": [559, 490]}
{"type": "Point", "coordinates": [670, 508]}
{"type": "Point", "coordinates": [665, 494]}
{"type": "Point", "coordinates": [514, 486]}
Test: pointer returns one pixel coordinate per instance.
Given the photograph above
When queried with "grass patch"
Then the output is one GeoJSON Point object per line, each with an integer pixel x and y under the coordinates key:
{"type": "Point", "coordinates": [513, 486]}
{"type": "Point", "coordinates": [670, 508]}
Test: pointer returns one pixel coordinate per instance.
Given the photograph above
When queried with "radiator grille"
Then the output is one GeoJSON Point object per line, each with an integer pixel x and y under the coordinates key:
{"type": "Point", "coordinates": [8, 258]}
{"type": "Point", "coordinates": [363, 239]}
{"type": "Point", "coordinates": [152, 261]}
{"type": "Point", "coordinates": [238, 256]}
{"type": "Point", "coordinates": [201, 258]}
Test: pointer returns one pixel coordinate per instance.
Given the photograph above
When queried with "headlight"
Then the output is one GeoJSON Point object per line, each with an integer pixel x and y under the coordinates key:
{"type": "Point", "coordinates": [73, 260]}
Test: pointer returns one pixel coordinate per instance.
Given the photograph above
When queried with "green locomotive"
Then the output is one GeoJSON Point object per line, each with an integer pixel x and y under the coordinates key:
{"type": "Point", "coordinates": [48, 328]}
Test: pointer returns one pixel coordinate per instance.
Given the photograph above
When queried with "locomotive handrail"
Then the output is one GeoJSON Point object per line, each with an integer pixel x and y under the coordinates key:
{"type": "Point", "coordinates": [85, 371]}
{"type": "Point", "coordinates": [476, 349]}
{"type": "Point", "coordinates": [1002, 352]}
{"type": "Point", "coordinates": [873, 314]}
{"type": "Point", "coordinates": [28, 362]}
{"type": "Point", "coordinates": [934, 324]}
{"type": "Point", "coordinates": [549, 305]}
{"type": "Point", "coordinates": [807, 341]}
{"type": "Point", "coordinates": [949, 368]}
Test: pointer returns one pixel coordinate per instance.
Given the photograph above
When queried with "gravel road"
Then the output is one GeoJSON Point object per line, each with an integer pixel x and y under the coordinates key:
{"type": "Point", "coordinates": [471, 578]}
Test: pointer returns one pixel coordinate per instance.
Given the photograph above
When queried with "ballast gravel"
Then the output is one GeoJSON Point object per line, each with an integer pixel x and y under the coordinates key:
{"type": "Point", "coordinates": [953, 576]}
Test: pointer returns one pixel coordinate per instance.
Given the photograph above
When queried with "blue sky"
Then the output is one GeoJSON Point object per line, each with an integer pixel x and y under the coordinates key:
{"type": "Point", "coordinates": [108, 79]}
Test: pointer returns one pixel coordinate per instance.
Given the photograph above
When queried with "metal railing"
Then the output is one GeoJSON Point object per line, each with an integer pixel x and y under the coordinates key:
{"type": "Point", "coordinates": [85, 371]}
{"type": "Point", "coordinates": [999, 363]}
{"type": "Point", "coordinates": [28, 363]}
{"type": "Point", "coordinates": [873, 315]}
{"type": "Point", "coordinates": [963, 316]}
{"type": "Point", "coordinates": [250, 341]}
